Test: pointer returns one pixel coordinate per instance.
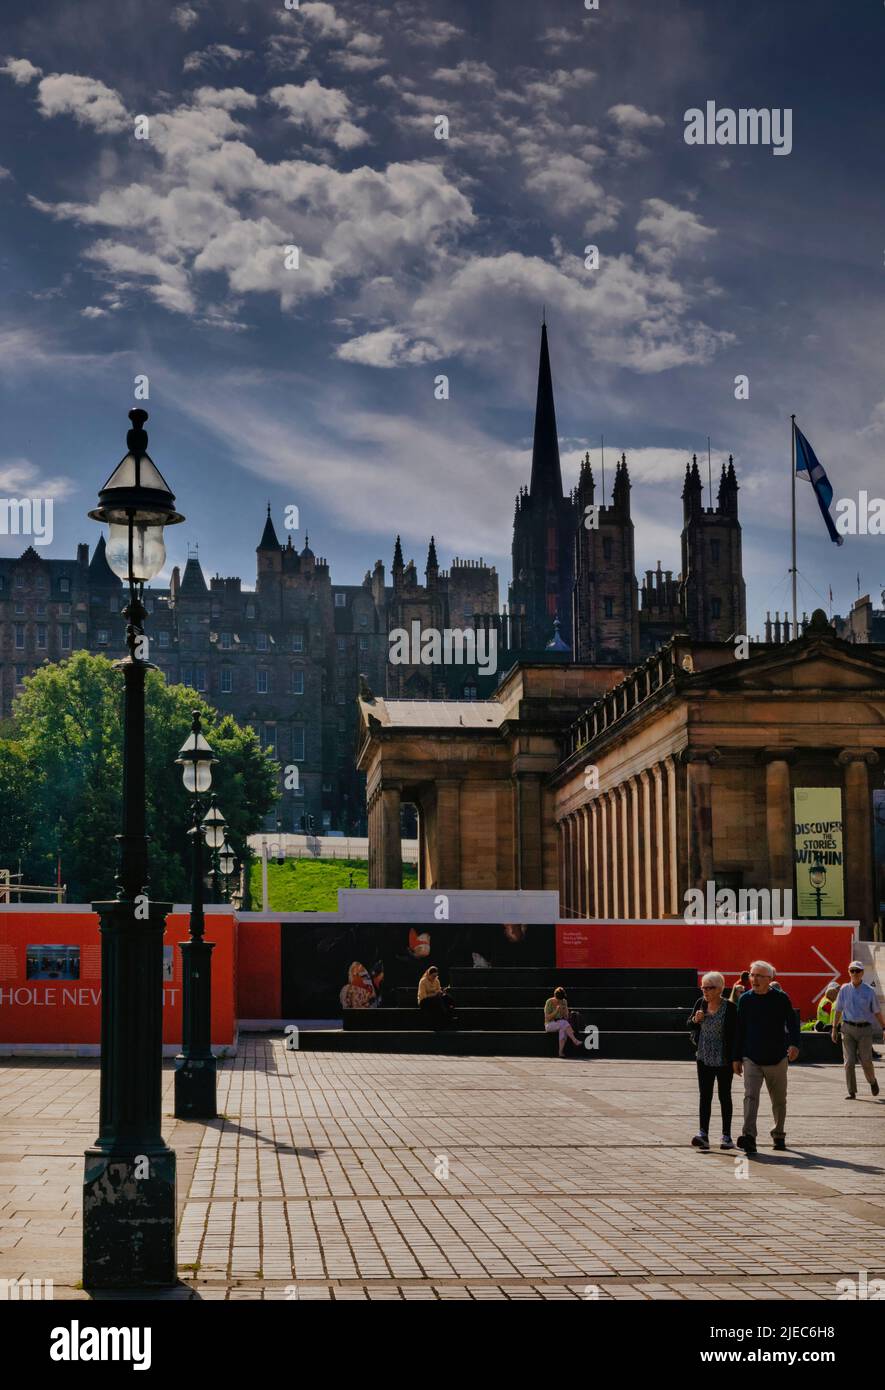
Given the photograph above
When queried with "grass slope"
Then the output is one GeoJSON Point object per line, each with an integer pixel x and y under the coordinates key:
{"type": "Point", "coordinates": [305, 885]}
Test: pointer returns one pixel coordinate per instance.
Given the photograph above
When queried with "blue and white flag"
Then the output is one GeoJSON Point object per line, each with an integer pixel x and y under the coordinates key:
{"type": "Point", "coordinates": [809, 466]}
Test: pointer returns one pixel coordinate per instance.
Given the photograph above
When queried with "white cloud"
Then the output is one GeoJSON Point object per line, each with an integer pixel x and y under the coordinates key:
{"type": "Point", "coordinates": [92, 311]}
{"type": "Point", "coordinates": [432, 33]}
{"type": "Point", "coordinates": [167, 282]}
{"type": "Point", "coordinates": [4, 172]}
{"type": "Point", "coordinates": [217, 55]}
{"type": "Point", "coordinates": [227, 99]}
{"type": "Point", "coordinates": [387, 347]}
{"type": "Point", "coordinates": [20, 70]}
{"type": "Point", "coordinates": [185, 16]}
{"type": "Point", "coordinates": [668, 231]}
{"type": "Point", "coordinates": [323, 19]}
{"type": "Point", "coordinates": [325, 112]}
{"type": "Point", "coordinates": [633, 117]}
{"type": "Point", "coordinates": [89, 101]}
{"type": "Point", "coordinates": [467, 72]}
{"type": "Point", "coordinates": [567, 182]}
{"type": "Point", "coordinates": [19, 477]}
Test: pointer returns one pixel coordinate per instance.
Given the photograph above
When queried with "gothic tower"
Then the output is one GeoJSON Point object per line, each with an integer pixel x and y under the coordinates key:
{"type": "Point", "coordinates": [543, 530]}
{"type": "Point", "coordinates": [606, 614]}
{"type": "Point", "coordinates": [712, 596]}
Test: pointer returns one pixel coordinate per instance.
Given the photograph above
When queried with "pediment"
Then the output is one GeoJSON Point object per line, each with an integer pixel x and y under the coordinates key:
{"type": "Point", "coordinates": [817, 665]}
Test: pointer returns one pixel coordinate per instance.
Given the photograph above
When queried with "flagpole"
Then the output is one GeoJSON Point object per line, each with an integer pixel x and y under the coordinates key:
{"type": "Point", "coordinates": [793, 466]}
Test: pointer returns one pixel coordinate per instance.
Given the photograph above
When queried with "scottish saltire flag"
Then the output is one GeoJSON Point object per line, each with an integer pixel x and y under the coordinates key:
{"type": "Point", "coordinates": [809, 466]}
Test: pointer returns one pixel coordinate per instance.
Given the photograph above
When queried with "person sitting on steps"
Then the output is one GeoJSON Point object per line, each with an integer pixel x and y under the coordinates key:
{"type": "Point", "coordinates": [557, 1019]}
{"type": "Point", "coordinates": [434, 1001]}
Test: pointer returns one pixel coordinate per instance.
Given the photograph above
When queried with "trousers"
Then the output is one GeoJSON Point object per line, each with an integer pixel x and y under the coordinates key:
{"type": "Point", "coordinates": [857, 1046]}
{"type": "Point", "coordinates": [721, 1077]}
{"type": "Point", "coordinates": [775, 1078]}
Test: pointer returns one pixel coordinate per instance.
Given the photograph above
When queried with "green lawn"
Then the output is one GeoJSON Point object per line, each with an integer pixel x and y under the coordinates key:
{"type": "Point", "coordinates": [305, 885]}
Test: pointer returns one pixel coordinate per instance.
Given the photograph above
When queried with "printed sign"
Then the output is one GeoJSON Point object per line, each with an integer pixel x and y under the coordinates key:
{"type": "Point", "coordinates": [818, 854]}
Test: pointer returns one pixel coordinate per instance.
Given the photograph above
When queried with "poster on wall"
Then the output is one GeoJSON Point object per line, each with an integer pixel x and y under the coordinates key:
{"type": "Point", "coordinates": [818, 852]}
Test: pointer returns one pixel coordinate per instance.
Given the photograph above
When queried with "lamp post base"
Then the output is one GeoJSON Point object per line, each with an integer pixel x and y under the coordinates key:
{"type": "Point", "coordinates": [195, 1066]}
{"type": "Point", "coordinates": [129, 1218]}
{"type": "Point", "coordinates": [195, 1088]}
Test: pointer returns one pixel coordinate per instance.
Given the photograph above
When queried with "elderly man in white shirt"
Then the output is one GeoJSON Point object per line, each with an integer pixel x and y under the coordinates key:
{"type": "Point", "coordinates": [857, 1007]}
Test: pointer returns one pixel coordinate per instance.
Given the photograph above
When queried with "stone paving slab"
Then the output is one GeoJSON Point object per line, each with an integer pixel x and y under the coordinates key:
{"type": "Point", "coordinates": [348, 1177]}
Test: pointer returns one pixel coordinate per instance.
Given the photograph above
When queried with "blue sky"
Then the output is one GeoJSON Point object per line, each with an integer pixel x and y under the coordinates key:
{"type": "Point", "coordinates": [314, 127]}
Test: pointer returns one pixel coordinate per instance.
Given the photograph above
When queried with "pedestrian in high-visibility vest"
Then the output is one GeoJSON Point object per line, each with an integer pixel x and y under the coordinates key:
{"type": "Point", "coordinates": [824, 1020]}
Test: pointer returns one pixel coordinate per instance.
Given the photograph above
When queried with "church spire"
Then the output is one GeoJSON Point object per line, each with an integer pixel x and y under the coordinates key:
{"type": "Point", "coordinates": [269, 536]}
{"type": "Point", "coordinates": [546, 472]}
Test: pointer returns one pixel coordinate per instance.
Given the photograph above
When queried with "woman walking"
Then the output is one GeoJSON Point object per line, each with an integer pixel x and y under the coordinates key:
{"type": "Point", "coordinates": [713, 1022]}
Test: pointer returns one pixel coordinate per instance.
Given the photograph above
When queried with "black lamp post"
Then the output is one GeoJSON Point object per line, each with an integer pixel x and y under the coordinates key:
{"type": "Point", "coordinates": [129, 1179]}
{"type": "Point", "coordinates": [227, 864]}
{"type": "Point", "coordinates": [195, 1065]}
{"type": "Point", "coordinates": [215, 827]}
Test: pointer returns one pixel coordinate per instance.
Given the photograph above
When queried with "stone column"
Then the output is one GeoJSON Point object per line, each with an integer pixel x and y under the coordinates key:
{"type": "Point", "coordinates": [624, 846]}
{"type": "Point", "coordinates": [661, 845]}
{"type": "Point", "coordinates": [700, 820]}
{"type": "Point", "coordinates": [391, 847]}
{"type": "Point", "coordinates": [614, 824]}
{"type": "Point", "coordinates": [673, 884]}
{"type": "Point", "coordinates": [636, 850]}
{"type": "Point", "coordinates": [448, 834]}
{"type": "Point", "coordinates": [648, 846]}
{"type": "Point", "coordinates": [596, 896]}
{"type": "Point", "coordinates": [779, 817]}
{"type": "Point", "coordinates": [857, 837]}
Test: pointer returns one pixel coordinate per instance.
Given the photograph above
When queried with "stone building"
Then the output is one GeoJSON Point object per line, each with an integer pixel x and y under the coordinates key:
{"type": "Point", "coordinates": [676, 773]}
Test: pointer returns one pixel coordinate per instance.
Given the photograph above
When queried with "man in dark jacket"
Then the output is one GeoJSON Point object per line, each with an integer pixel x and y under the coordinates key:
{"type": "Point", "coordinates": [766, 1040]}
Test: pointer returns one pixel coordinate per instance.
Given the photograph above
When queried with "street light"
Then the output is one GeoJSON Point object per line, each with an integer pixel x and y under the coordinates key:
{"type": "Point", "coordinates": [214, 828]}
{"type": "Point", "coordinates": [195, 1064]}
{"type": "Point", "coordinates": [129, 1216]}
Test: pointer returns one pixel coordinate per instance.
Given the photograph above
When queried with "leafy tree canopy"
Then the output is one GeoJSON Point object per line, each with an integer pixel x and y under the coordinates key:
{"type": "Point", "coordinates": [61, 779]}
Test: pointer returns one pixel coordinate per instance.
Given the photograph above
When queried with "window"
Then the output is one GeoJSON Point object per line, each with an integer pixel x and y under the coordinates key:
{"type": "Point", "coordinates": [716, 608]}
{"type": "Point", "coordinates": [606, 547]}
{"type": "Point", "coordinates": [250, 610]}
{"type": "Point", "coordinates": [364, 644]}
{"type": "Point", "coordinates": [41, 610]}
{"type": "Point", "coordinates": [340, 600]}
{"type": "Point", "coordinates": [65, 637]}
{"type": "Point", "coordinates": [269, 739]}
{"type": "Point", "coordinates": [102, 637]}
{"type": "Point", "coordinates": [19, 637]}
{"type": "Point", "coordinates": [19, 581]}
{"type": "Point", "coordinates": [164, 637]}
{"type": "Point", "coordinates": [64, 610]}
{"type": "Point", "coordinates": [609, 607]}
{"type": "Point", "coordinates": [340, 700]}
{"type": "Point", "coordinates": [64, 585]}
{"type": "Point", "coordinates": [20, 673]}
{"type": "Point", "coordinates": [470, 692]}
{"type": "Point", "coordinates": [41, 582]}
{"type": "Point", "coordinates": [200, 678]}
{"type": "Point", "coordinates": [297, 682]}
{"type": "Point", "coordinates": [714, 552]}
{"type": "Point", "coordinates": [114, 604]}
{"type": "Point", "coordinates": [225, 641]}
{"type": "Point", "coordinates": [227, 680]}
{"type": "Point", "coordinates": [261, 641]}
{"type": "Point", "coordinates": [342, 644]}
{"type": "Point", "coordinates": [261, 682]}
{"type": "Point", "coordinates": [298, 745]}
{"type": "Point", "coordinates": [19, 608]}
{"type": "Point", "coordinates": [187, 675]}
{"type": "Point", "coordinates": [41, 636]}
{"type": "Point", "coordinates": [298, 641]}
{"type": "Point", "coordinates": [364, 621]}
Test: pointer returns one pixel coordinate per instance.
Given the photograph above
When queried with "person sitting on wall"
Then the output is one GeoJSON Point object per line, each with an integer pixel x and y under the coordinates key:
{"type": "Point", "coordinates": [557, 1019]}
{"type": "Point", "coordinates": [434, 1001]}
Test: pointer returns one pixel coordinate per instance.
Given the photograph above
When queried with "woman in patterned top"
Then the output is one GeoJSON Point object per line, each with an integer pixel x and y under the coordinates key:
{"type": "Point", "coordinates": [713, 1021]}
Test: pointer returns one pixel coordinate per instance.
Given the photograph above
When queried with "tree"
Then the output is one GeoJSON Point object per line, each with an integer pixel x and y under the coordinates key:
{"type": "Point", "coordinates": [68, 727]}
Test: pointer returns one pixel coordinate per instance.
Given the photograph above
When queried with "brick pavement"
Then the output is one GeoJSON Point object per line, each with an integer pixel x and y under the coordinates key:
{"type": "Point", "coordinates": [347, 1176]}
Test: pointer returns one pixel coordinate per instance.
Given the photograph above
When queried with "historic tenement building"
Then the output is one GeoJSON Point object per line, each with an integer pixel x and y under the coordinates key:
{"type": "Point", "coordinates": [623, 789]}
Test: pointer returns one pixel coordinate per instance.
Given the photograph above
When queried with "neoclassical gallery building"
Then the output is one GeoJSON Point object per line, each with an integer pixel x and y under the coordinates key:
{"type": "Point", "coordinates": [626, 788]}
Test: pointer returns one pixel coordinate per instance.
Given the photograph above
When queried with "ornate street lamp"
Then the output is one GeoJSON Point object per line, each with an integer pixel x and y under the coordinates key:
{"type": "Point", "coordinates": [227, 863]}
{"type": "Point", "coordinates": [129, 1217]}
{"type": "Point", "coordinates": [195, 1064]}
{"type": "Point", "coordinates": [214, 828]}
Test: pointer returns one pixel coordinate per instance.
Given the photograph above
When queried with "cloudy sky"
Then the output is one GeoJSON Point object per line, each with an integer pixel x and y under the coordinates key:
{"type": "Point", "coordinates": [314, 127]}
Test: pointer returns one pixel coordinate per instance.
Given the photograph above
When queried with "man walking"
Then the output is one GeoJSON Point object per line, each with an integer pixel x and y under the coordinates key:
{"type": "Point", "coordinates": [858, 1009]}
{"type": "Point", "coordinates": [767, 1039]}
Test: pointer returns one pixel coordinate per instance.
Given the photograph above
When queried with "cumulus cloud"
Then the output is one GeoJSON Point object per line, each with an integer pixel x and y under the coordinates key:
{"type": "Point", "coordinates": [323, 19]}
{"type": "Point", "coordinates": [467, 72]}
{"type": "Point", "coordinates": [217, 55]}
{"type": "Point", "coordinates": [324, 111]}
{"type": "Point", "coordinates": [633, 117]}
{"type": "Point", "coordinates": [89, 101]}
{"type": "Point", "coordinates": [185, 16]}
{"type": "Point", "coordinates": [20, 70]}
{"type": "Point", "coordinates": [387, 347]}
{"type": "Point", "coordinates": [432, 33]}
{"type": "Point", "coordinates": [668, 231]}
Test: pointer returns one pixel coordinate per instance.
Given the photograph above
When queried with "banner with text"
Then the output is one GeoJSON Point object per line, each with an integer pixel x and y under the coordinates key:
{"type": "Point", "coordinates": [818, 853]}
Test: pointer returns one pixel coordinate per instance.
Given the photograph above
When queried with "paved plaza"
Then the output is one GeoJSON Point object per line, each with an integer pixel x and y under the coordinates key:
{"type": "Point", "coordinates": [364, 1176]}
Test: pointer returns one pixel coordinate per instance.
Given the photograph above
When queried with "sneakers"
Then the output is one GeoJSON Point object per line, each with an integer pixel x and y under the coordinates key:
{"type": "Point", "coordinates": [700, 1141]}
{"type": "Point", "coordinates": [747, 1143]}
{"type": "Point", "coordinates": [780, 1144]}
{"type": "Point", "coordinates": [726, 1142]}
{"type": "Point", "coordinates": [874, 1087]}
